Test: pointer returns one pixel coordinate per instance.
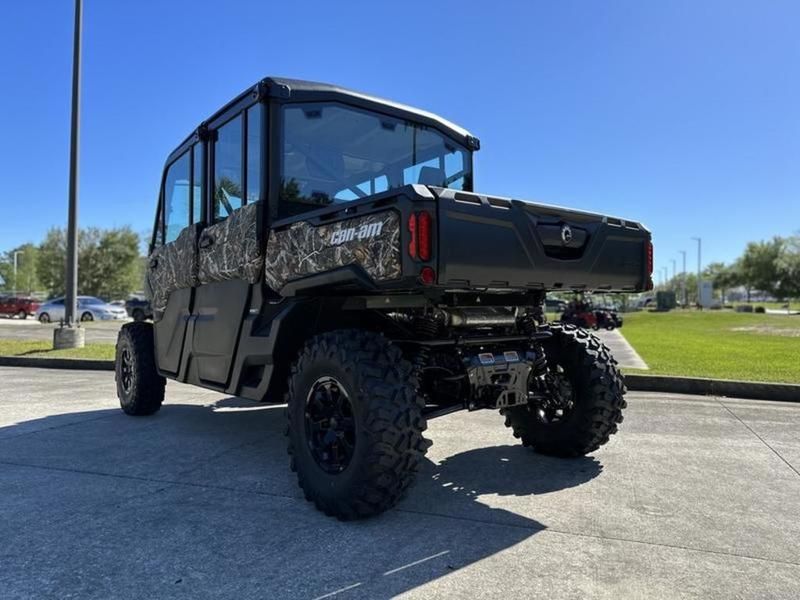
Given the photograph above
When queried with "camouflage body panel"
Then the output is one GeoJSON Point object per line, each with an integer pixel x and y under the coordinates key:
{"type": "Point", "coordinates": [235, 252]}
{"type": "Point", "coordinates": [175, 267]}
{"type": "Point", "coordinates": [371, 241]}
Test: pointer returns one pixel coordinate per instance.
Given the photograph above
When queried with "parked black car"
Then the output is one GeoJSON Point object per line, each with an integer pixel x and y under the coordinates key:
{"type": "Point", "coordinates": [138, 309]}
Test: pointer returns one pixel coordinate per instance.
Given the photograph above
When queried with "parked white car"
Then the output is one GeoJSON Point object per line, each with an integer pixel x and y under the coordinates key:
{"type": "Point", "coordinates": [89, 309]}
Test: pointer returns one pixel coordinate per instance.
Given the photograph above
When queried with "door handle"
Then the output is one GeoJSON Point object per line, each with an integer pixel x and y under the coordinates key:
{"type": "Point", "coordinates": [206, 241]}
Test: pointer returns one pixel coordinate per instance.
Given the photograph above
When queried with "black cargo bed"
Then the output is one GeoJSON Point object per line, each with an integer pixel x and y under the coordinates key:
{"type": "Point", "coordinates": [492, 242]}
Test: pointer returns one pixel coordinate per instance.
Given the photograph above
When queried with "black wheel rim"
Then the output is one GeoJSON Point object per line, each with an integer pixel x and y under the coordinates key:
{"type": "Point", "coordinates": [126, 370]}
{"type": "Point", "coordinates": [560, 399]}
{"type": "Point", "coordinates": [330, 426]}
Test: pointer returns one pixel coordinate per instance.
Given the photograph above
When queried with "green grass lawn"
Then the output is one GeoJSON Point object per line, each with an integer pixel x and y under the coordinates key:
{"type": "Point", "coordinates": [717, 344]}
{"type": "Point", "coordinates": [40, 349]}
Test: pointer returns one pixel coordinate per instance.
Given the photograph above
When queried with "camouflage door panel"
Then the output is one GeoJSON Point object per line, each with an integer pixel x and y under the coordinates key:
{"type": "Point", "coordinates": [234, 251]}
{"type": "Point", "coordinates": [371, 241]}
{"type": "Point", "coordinates": [171, 267]}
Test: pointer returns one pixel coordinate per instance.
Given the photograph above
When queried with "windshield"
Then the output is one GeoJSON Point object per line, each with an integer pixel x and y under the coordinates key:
{"type": "Point", "coordinates": [333, 153]}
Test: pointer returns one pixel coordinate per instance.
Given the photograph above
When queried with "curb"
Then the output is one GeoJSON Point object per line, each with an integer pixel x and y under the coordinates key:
{"type": "Point", "coordinates": [77, 364]}
{"type": "Point", "coordinates": [697, 386]}
{"type": "Point", "coordinates": [753, 390]}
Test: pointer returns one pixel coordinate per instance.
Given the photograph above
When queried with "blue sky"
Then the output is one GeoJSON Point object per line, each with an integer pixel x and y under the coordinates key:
{"type": "Point", "coordinates": [684, 115]}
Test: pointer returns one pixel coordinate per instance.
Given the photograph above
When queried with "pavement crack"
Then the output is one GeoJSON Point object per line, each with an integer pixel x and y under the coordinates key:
{"type": "Point", "coordinates": [53, 427]}
{"type": "Point", "coordinates": [150, 480]}
{"type": "Point", "coordinates": [763, 441]}
{"type": "Point", "coordinates": [219, 454]}
{"type": "Point", "coordinates": [548, 529]}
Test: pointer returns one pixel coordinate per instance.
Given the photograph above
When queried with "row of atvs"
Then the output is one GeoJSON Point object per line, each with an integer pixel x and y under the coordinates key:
{"type": "Point", "coordinates": [587, 316]}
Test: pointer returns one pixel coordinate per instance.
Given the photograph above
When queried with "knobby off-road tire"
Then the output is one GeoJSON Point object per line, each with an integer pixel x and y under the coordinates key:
{"type": "Point", "coordinates": [140, 388]}
{"type": "Point", "coordinates": [385, 414]}
{"type": "Point", "coordinates": [598, 398]}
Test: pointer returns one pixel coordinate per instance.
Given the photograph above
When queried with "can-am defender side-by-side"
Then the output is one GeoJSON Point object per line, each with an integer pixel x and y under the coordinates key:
{"type": "Point", "coordinates": [324, 248]}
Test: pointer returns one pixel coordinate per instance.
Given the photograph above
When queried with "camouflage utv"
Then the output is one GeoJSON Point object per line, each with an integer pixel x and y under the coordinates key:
{"type": "Point", "coordinates": [323, 248]}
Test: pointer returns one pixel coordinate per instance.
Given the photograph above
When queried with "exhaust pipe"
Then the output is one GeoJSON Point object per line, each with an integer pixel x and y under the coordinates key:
{"type": "Point", "coordinates": [478, 317]}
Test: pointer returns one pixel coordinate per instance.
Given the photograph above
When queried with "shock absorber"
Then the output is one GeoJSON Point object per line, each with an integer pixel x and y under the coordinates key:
{"type": "Point", "coordinates": [425, 328]}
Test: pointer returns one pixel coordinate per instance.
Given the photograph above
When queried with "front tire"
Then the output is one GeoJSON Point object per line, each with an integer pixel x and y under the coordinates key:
{"type": "Point", "coordinates": [44, 318]}
{"type": "Point", "coordinates": [140, 388]}
{"type": "Point", "coordinates": [87, 316]}
{"type": "Point", "coordinates": [586, 401]}
{"type": "Point", "coordinates": [355, 423]}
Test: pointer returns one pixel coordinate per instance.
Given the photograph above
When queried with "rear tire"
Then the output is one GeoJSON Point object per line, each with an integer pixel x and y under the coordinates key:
{"type": "Point", "coordinates": [358, 382]}
{"type": "Point", "coordinates": [22, 314]}
{"type": "Point", "coordinates": [87, 316]}
{"type": "Point", "coordinates": [598, 393]}
{"type": "Point", "coordinates": [140, 388]}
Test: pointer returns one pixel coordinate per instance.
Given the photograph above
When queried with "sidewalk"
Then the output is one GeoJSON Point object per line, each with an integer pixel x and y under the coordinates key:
{"type": "Point", "coordinates": [626, 356]}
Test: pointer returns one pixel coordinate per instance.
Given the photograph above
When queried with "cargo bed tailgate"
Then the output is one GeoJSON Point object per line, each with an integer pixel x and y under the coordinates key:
{"type": "Point", "coordinates": [492, 242]}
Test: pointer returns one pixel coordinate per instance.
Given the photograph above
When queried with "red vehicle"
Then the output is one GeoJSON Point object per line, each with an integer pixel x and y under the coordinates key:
{"type": "Point", "coordinates": [15, 306]}
{"type": "Point", "coordinates": [583, 314]}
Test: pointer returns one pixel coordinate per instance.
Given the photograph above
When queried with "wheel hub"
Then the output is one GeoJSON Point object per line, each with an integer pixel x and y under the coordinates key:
{"type": "Point", "coordinates": [126, 370]}
{"type": "Point", "coordinates": [558, 400]}
{"type": "Point", "coordinates": [329, 425]}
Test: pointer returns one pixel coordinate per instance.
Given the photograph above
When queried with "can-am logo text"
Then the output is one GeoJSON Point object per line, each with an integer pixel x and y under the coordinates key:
{"type": "Point", "coordinates": [349, 234]}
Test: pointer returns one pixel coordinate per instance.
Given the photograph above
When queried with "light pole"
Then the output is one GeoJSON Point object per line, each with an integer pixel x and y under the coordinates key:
{"type": "Point", "coordinates": [16, 253]}
{"type": "Point", "coordinates": [699, 281]}
{"type": "Point", "coordinates": [683, 279]}
{"type": "Point", "coordinates": [70, 335]}
{"type": "Point", "coordinates": [674, 274]}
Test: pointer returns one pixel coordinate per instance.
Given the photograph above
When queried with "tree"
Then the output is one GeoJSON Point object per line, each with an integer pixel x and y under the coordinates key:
{"type": "Point", "coordinates": [788, 267]}
{"type": "Point", "coordinates": [26, 278]}
{"type": "Point", "coordinates": [109, 265]}
{"type": "Point", "coordinates": [52, 261]}
{"type": "Point", "coordinates": [758, 266]}
{"type": "Point", "coordinates": [723, 277]}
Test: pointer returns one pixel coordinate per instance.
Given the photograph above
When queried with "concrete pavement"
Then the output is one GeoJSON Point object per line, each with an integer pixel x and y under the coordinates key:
{"type": "Point", "coordinates": [695, 498]}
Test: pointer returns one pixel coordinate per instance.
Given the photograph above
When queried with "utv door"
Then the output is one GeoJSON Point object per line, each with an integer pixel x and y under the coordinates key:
{"type": "Point", "coordinates": [172, 264]}
{"type": "Point", "coordinates": [230, 258]}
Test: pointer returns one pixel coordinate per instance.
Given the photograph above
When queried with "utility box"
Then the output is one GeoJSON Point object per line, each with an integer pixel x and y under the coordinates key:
{"type": "Point", "coordinates": [665, 300]}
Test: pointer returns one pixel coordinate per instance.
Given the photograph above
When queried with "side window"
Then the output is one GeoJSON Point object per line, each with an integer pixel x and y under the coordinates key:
{"type": "Point", "coordinates": [176, 197]}
{"type": "Point", "coordinates": [228, 169]}
{"type": "Point", "coordinates": [158, 236]}
{"type": "Point", "coordinates": [197, 182]}
{"type": "Point", "coordinates": [253, 153]}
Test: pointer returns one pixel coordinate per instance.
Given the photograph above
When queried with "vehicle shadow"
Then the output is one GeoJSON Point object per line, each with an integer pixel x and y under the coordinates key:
{"type": "Point", "coordinates": [234, 451]}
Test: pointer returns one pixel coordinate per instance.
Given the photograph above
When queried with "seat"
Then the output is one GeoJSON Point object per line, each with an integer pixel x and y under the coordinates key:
{"type": "Point", "coordinates": [431, 176]}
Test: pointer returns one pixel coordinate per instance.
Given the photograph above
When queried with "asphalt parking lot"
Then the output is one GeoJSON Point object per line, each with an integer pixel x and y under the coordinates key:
{"type": "Point", "coordinates": [97, 332]}
{"type": "Point", "coordinates": [695, 498]}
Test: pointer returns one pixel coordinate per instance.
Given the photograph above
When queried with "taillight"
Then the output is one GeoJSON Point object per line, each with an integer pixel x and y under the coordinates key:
{"type": "Point", "coordinates": [424, 231]}
{"type": "Point", "coordinates": [412, 230]}
{"type": "Point", "coordinates": [649, 282]}
{"type": "Point", "coordinates": [420, 229]}
{"type": "Point", "coordinates": [427, 275]}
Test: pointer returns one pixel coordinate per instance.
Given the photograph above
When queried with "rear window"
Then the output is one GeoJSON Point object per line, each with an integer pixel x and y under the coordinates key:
{"type": "Point", "coordinates": [333, 153]}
